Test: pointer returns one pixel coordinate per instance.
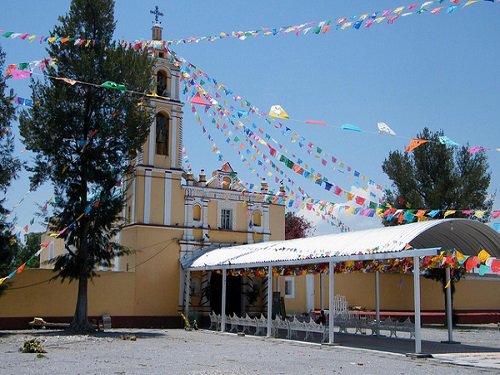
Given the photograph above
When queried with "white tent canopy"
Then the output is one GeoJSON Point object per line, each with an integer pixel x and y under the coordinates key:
{"type": "Point", "coordinates": [424, 238]}
{"type": "Point", "coordinates": [380, 243]}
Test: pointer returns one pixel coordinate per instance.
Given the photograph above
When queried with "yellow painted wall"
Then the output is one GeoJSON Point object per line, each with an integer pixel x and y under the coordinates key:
{"type": "Point", "coordinates": [156, 269]}
{"type": "Point", "coordinates": [212, 214]}
{"type": "Point", "coordinates": [396, 293]}
{"type": "Point", "coordinates": [111, 293]}
{"type": "Point", "coordinates": [58, 250]}
{"type": "Point", "coordinates": [177, 201]}
{"type": "Point", "coordinates": [139, 197]}
{"type": "Point", "coordinates": [157, 197]}
{"type": "Point", "coordinates": [277, 222]}
{"type": "Point", "coordinates": [470, 294]}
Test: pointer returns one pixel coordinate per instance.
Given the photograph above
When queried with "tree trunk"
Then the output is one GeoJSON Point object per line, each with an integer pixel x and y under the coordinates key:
{"type": "Point", "coordinates": [80, 323]}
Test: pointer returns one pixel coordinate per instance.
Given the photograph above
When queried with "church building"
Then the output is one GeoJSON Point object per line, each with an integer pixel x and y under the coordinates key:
{"type": "Point", "coordinates": [170, 214]}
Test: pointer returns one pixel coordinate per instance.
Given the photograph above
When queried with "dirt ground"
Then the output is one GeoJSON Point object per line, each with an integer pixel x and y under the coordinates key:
{"type": "Point", "coordinates": [151, 351]}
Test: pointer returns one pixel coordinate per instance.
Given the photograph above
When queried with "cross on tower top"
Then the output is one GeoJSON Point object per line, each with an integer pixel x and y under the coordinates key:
{"type": "Point", "coordinates": [157, 14]}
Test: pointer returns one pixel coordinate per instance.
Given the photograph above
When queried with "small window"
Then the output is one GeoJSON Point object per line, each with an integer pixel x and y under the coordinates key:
{"type": "Point", "coordinates": [161, 84]}
{"type": "Point", "coordinates": [289, 287]}
{"type": "Point", "coordinates": [257, 219]}
{"type": "Point", "coordinates": [196, 212]}
{"type": "Point", "coordinates": [226, 219]}
{"type": "Point", "coordinates": [51, 250]}
{"type": "Point", "coordinates": [161, 134]}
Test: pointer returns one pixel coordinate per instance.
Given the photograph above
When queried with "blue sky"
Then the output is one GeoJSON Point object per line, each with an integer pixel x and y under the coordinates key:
{"type": "Point", "coordinates": [424, 70]}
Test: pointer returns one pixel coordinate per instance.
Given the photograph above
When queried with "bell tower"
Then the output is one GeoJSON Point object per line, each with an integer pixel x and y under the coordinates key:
{"type": "Point", "coordinates": [158, 167]}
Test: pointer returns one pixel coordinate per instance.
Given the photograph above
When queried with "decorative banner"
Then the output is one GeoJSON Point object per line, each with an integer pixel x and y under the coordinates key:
{"type": "Point", "coordinates": [235, 117]}
{"type": "Point", "coordinates": [13, 69]}
{"type": "Point", "coordinates": [352, 22]}
{"type": "Point", "coordinates": [383, 128]}
{"type": "Point", "coordinates": [281, 198]}
{"type": "Point", "coordinates": [20, 268]}
{"type": "Point", "coordinates": [446, 259]}
{"type": "Point", "coordinates": [326, 159]}
{"type": "Point", "coordinates": [23, 101]}
{"type": "Point", "coordinates": [414, 143]}
{"type": "Point", "coordinates": [197, 99]}
{"type": "Point", "coordinates": [473, 150]}
{"type": "Point", "coordinates": [277, 111]}
{"type": "Point", "coordinates": [447, 141]}
{"type": "Point", "coordinates": [317, 178]}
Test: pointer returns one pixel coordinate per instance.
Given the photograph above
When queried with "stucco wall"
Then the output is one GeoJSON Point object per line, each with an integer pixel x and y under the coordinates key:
{"type": "Point", "coordinates": [396, 293]}
{"type": "Point", "coordinates": [31, 294]}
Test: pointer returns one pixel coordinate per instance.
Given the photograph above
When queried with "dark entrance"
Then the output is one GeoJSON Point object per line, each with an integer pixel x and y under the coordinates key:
{"type": "Point", "coordinates": [233, 294]}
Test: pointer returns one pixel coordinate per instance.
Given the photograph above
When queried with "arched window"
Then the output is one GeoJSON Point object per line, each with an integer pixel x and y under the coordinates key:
{"type": "Point", "coordinates": [257, 219]}
{"type": "Point", "coordinates": [196, 212]}
{"type": "Point", "coordinates": [161, 84]}
{"type": "Point", "coordinates": [162, 128]}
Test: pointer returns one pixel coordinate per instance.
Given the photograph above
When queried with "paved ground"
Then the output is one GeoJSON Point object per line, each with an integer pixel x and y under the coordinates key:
{"type": "Point", "coordinates": [212, 353]}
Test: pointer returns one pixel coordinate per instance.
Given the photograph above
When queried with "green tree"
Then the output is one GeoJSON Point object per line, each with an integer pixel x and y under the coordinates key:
{"type": "Point", "coordinates": [27, 250]}
{"type": "Point", "coordinates": [297, 226]}
{"type": "Point", "coordinates": [438, 177]}
{"type": "Point", "coordinates": [9, 167]}
{"type": "Point", "coordinates": [84, 136]}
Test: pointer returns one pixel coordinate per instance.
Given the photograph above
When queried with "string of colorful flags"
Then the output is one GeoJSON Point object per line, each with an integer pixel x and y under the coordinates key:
{"type": "Point", "coordinates": [357, 22]}
{"type": "Point", "coordinates": [373, 206]}
{"type": "Point", "coordinates": [24, 69]}
{"type": "Point", "coordinates": [401, 215]}
{"type": "Point", "coordinates": [17, 71]}
{"type": "Point", "coordinates": [300, 200]}
{"type": "Point", "coordinates": [276, 111]}
{"type": "Point", "coordinates": [482, 263]}
{"type": "Point", "coordinates": [279, 198]}
{"type": "Point", "coordinates": [249, 135]}
{"type": "Point", "coordinates": [94, 204]}
{"type": "Point", "coordinates": [22, 266]}
{"type": "Point", "coordinates": [406, 215]}
{"type": "Point", "coordinates": [243, 114]}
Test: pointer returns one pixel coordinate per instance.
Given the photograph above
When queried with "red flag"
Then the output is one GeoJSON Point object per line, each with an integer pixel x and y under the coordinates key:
{"type": "Point", "coordinates": [360, 200]}
{"type": "Point", "coordinates": [197, 99]}
{"type": "Point", "coordinates": [495, 266]}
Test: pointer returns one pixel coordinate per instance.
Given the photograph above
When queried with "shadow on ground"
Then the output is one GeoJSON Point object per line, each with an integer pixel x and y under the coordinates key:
{"type": "Point", "coordinates": [402, 346]}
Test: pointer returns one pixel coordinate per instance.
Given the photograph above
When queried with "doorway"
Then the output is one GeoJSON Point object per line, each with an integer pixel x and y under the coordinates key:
{"type": "Point", "coordinates": [233, 294]}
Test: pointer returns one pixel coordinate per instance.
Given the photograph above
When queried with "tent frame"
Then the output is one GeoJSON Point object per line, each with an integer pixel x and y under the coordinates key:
{"type": "Point", "coordinates": [413, 253]}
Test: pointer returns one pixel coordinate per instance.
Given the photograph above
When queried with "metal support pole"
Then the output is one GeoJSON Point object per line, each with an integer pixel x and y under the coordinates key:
{"type": "Point", "coordinates": [321, 299]}
{"type": "Point", "coordinates": [416, 297]}
{"type": "Point", "coordinates": [331, 312]}
{"type": "Point", "coordinates": [269, 299]}
{"type": "Point", "coordinates": [449, 312]}
{"type": "Point", "coordinates": [377, 301]}
{"type": "Point", "coordinates": [188, 294]}
{"type": "Point", "coordinates": [223, 309]}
